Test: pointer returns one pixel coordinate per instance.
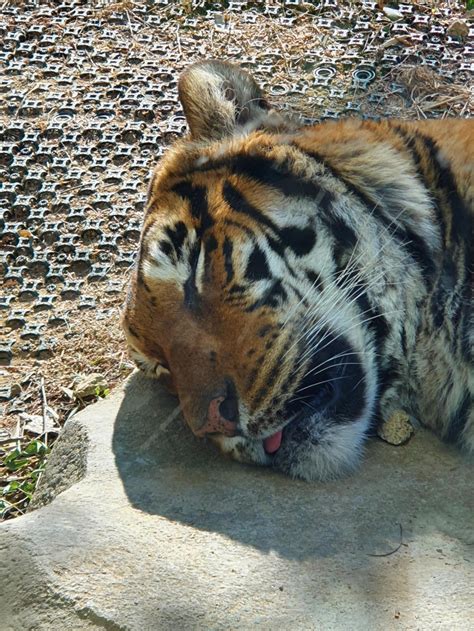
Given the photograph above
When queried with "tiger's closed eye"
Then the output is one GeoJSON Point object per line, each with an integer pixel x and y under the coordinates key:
{"type": "Point", "coordinates": [161, 370]}
{"type": "Point", "coordinates": [164, 376]}
{"type": "Point", "coordinates": [150, 366]}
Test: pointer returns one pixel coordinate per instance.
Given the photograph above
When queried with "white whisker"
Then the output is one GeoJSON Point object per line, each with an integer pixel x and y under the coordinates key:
{"type": "Point", "coordinates": [318, 383]}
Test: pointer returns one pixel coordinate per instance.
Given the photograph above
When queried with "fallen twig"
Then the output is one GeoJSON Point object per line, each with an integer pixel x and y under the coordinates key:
{"type": "Point", "coordinates": [387, 554]}
{"type": "Point", "coordinates": [45, 410]}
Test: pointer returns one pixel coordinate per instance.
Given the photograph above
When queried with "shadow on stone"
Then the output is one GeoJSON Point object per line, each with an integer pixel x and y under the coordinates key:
{"type": "Point", "coordinates": [423, 486]}
{"type": "Point", "coordinates": [66, 465]}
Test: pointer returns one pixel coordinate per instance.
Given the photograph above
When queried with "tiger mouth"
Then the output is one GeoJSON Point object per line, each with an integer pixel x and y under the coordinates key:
{"type": "Point", "coordinates": [317, 399]}
{"type": "Point", "coordinates": [272, 443]}
{"type": "Point", "coordinates": [333, 384]}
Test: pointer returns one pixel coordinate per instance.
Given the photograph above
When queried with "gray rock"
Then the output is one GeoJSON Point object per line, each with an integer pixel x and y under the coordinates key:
{"type": "Point", "coordinates": [162, 532]}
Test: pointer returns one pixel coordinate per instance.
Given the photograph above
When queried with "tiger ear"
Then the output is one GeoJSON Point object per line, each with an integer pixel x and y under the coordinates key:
{"type": "Point", "coordinates": [218, 98]}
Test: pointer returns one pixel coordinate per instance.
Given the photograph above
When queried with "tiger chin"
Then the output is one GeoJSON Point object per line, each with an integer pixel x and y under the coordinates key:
{"type": "Point", "coordinates": [296, 286]}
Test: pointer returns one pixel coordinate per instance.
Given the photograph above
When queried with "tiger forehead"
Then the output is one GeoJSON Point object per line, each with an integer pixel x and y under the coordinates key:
{"type": "Point", "coordinates": [209, 164]}
{"type": "Point", "coordinates": [187, 158]}
{"type": "Point", "coordinates": [197, 202]}
{"type": "Point", "coordinates": [189, 208]}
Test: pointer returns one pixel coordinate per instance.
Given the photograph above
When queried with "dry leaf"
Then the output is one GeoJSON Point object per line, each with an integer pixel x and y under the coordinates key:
{"type": "Point", "coordinates": [90, 386]}
{"type": "Point", "coordinates": [395, 41]}
{"type": "Point", "coordinates": [35, 424]}
{"type": "Point", "coordinates": [393, 14]}
{"type": "Point", "coordinates": [458, 29]}
{"type": "Point", "coordinates": [68, 392]}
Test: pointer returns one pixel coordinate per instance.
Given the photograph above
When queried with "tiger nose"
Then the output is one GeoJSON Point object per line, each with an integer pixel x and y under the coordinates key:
{"type": "Point", "coordinates": [222, 417]}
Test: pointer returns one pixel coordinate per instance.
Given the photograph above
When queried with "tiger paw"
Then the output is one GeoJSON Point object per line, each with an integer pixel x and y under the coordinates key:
{"type": "Point", "coordinates": [397, 430]}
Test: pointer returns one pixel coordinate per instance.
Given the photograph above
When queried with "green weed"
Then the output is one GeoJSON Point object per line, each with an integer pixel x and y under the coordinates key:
{"type": "Point", "coordinates": [20, 470]}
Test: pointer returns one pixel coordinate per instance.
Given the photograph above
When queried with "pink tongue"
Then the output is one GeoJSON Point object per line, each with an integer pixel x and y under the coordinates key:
{"type": "Point", "coordinates": [272, 443]}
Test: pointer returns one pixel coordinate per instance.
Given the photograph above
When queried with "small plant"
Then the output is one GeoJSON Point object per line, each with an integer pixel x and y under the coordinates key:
{"type": "Point", "coordinates": [20, 469]}
{"type": "Point", "coordinates": [101, 392]}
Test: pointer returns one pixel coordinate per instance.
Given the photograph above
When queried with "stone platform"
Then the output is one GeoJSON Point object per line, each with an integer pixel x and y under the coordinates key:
{"type": "Point", "coordinates": [151, 529]}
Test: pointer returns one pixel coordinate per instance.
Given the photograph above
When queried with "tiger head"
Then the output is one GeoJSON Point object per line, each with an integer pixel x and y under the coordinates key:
{"type": "Point", "coordinates": [242, 301]}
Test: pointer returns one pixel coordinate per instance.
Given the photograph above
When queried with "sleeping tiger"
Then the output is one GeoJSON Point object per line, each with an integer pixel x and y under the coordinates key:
{"type": "Point", "coordinates": [297, 286]}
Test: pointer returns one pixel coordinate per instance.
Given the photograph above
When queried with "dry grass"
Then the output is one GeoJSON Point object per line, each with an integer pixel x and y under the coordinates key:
{"type": "Point", "coordinates": [429, 91]}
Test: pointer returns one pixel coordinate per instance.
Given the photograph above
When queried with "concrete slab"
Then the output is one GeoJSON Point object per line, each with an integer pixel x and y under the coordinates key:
{"type": "Point", "coordinates": [158, 531]}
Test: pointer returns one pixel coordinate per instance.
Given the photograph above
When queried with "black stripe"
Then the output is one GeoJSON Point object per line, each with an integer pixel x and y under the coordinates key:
{"type": "Point", "coordinates": [459, 420]}
{"type": "Point", "coordinates": [417, 157]}
{"type": "Point", "coordinates": [459, 300]}
{"type": "Point", "coordinates": [379, 325]}
{"type": "Point", "coordinates": [167, 249]}
{"type": "Point", "coordinates": [227, 250]}
{"type": "Point", "coordinates": [300, 240]}
{"type": "Point", "coordinates": [276, 246]}
{"type": "Point", "coordinates": [376, 322]}
{"type": "Point", "coordinates": [344, 234]}
{"type": "Point", "coordinates": [461, 221]}
{"type": "Point", "coordinates": [141, 278]}
{"type": "Point", "coordinates": [417, 248]}
{"type": "Point", "coordinates": [257, 266]}
{"type": "Point", "coordinates": [287, 387]}
{"type": "Point", "coordinates": [280, 177]}
{"type": "Point", "coordinates": [362, 195]}
{"type": "Point", "coordinates": [444, 289]}
{"type": "Point", "coordinates": [345, 238]}
{"type": "Point", "coordinates": [279, 249]}
{"type": "Point", "coordinates": [177, 235]}
{"type": "Point", "coordinates": [210, 246]}
{"type": "Point", "coordinates": [238, 289]}
{"type": "Point", "coordinates": [273, 297]}
{"type": "Point", "coordinates": [278, 404]}
{"type": "Point", "coordinates": [190, 289]}
{"type": "Point", "coordinates": [183, 189]}
{"type": "Point", "coordinates": [388, 374]}
{"type": "Point", "coordinates": [315, 279]}
{"type": "Point", "coordinates": [442, 183]}
{"type": "Point", "coordinates": [467, 300]}
{"type": "Point", "coordinates": [132, 331]}
{"type": "Point", "coordinates": [297, 292]}
{"type": "Point", "coordinates": [253, 375]}
{"type": "Point", "coordinates": [236, 296]}
{"type": "Point", "coordinates": [404, 342]}
{"type": "Point", "coordinates": [239, 226]}
{"type": "Point", "coordinates": [272, 375]}
{"type": "Point", "coordinates": [197, 197]}
{"type": "Point", "coordinates": [198, 200]}
{"type": "Point", "coordinates": [237, 202]}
